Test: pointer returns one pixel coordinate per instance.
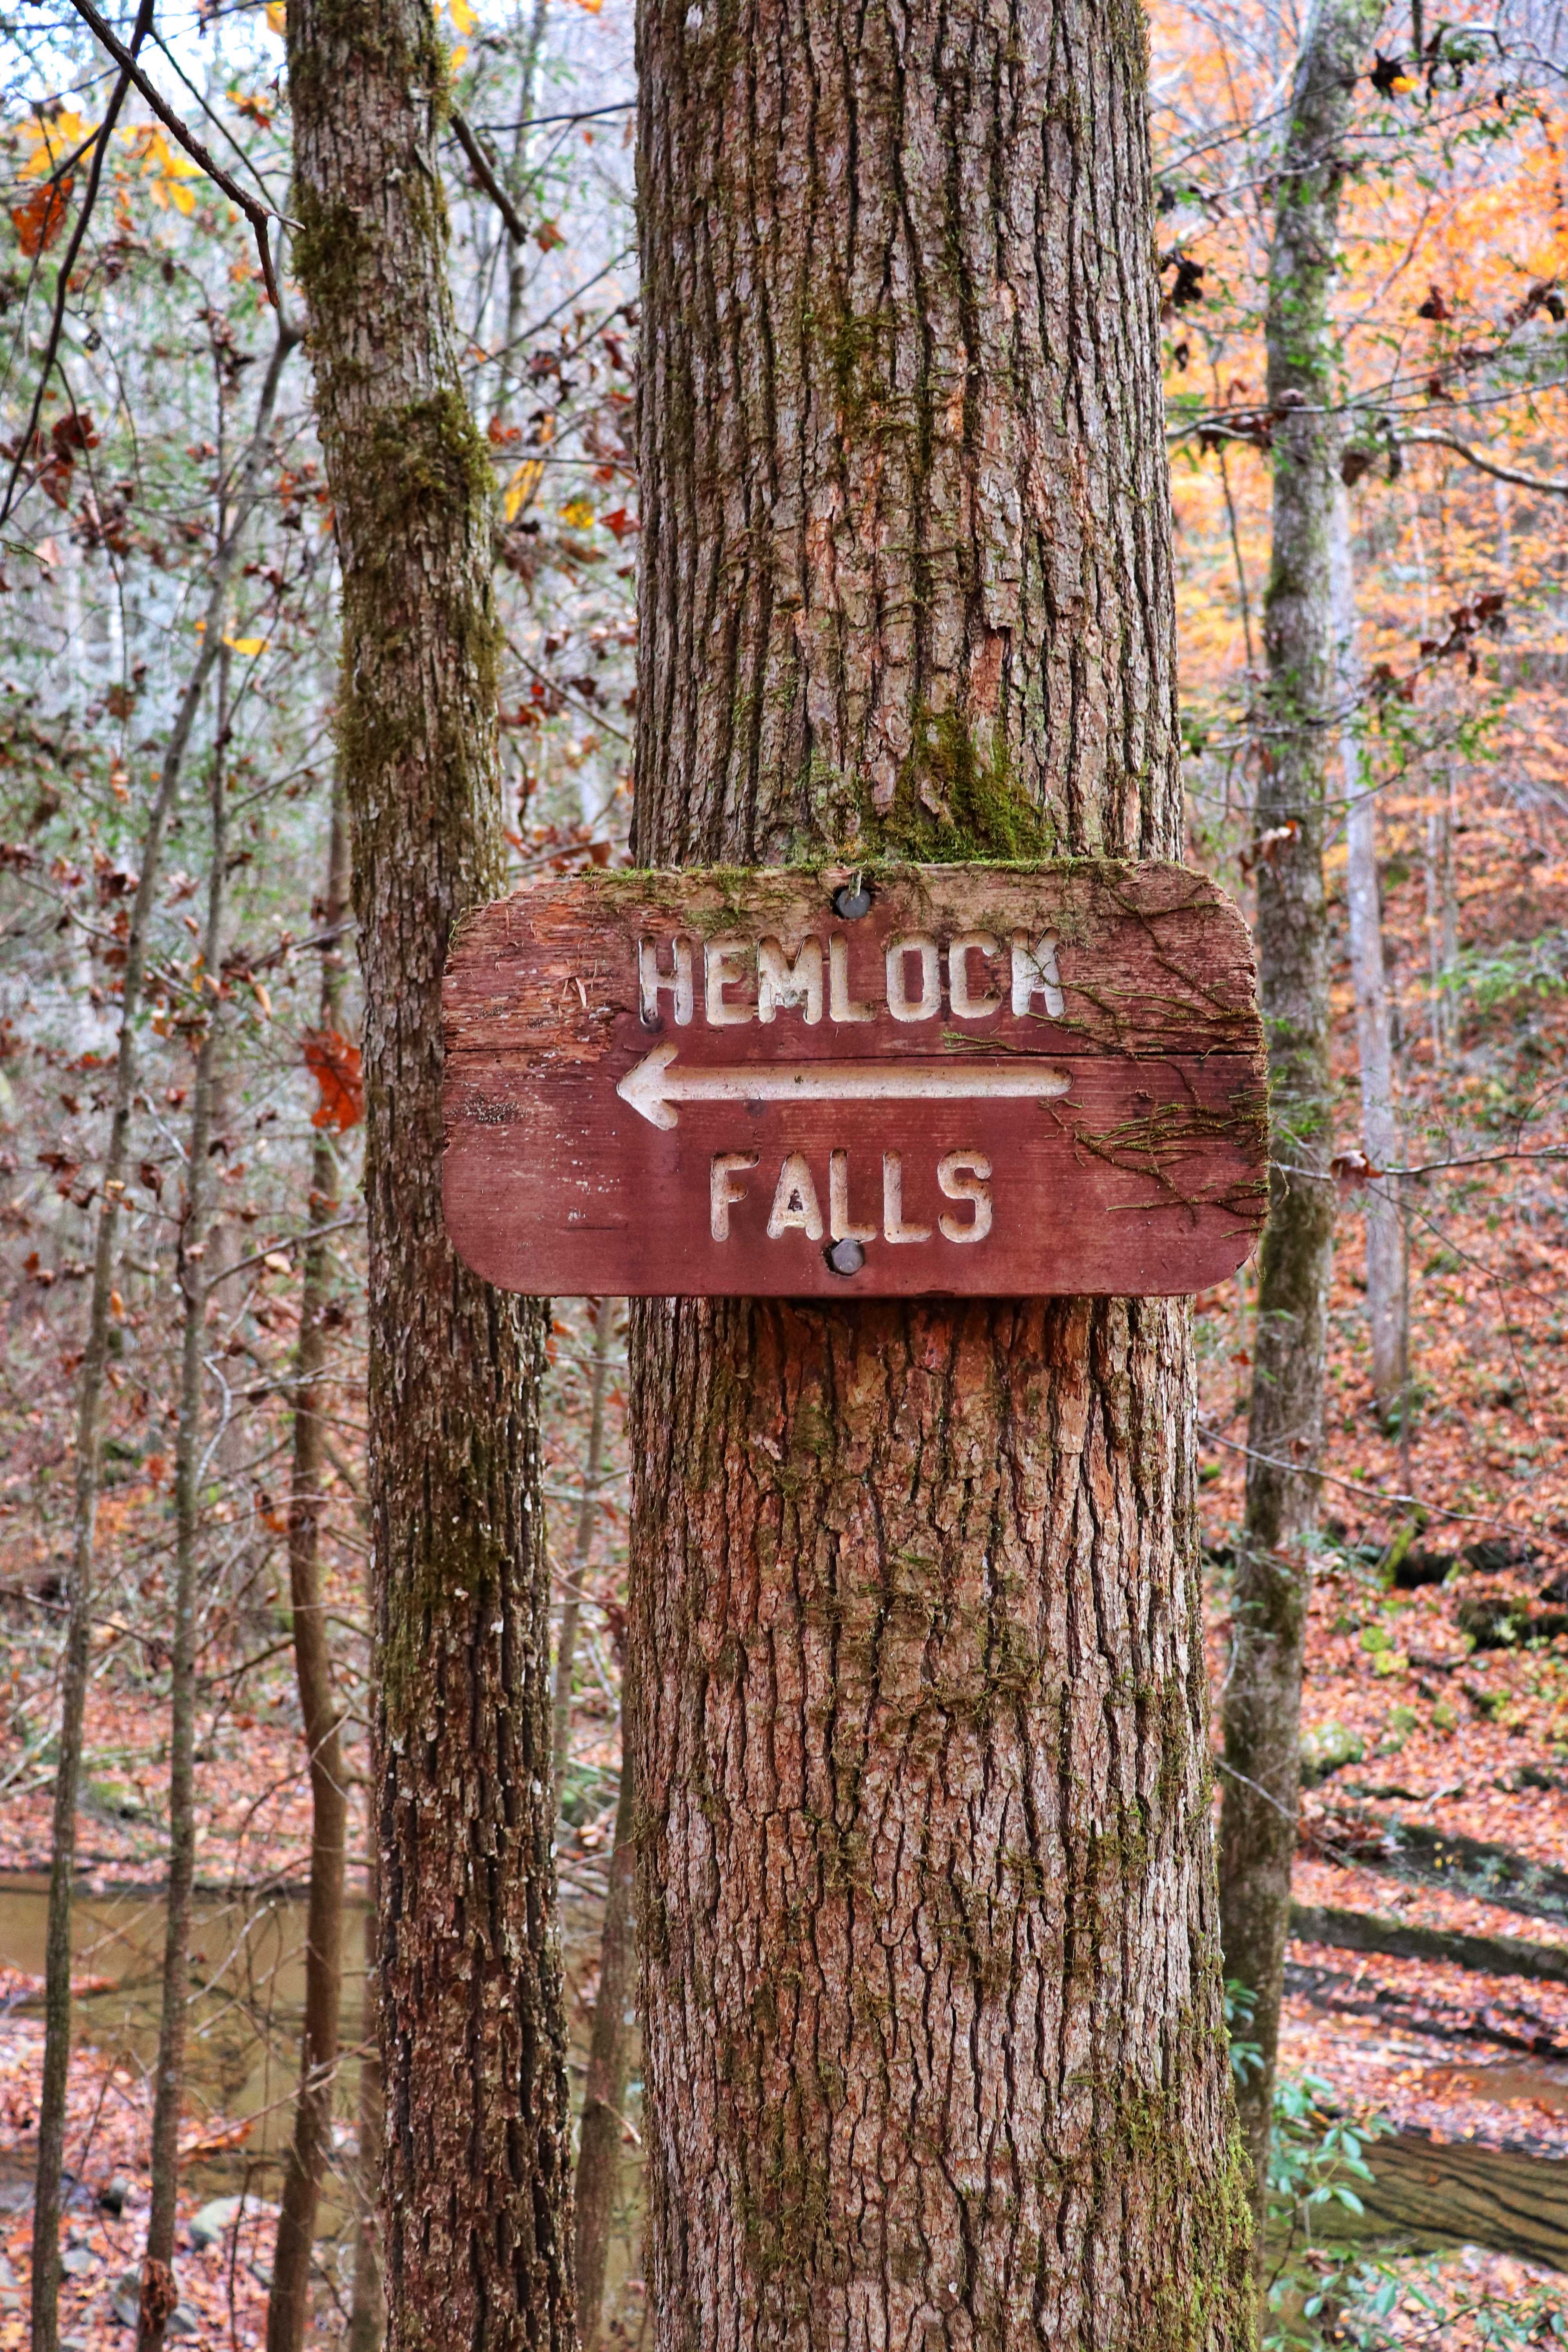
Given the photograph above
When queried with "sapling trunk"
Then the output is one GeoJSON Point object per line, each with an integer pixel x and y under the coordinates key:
{"type": "Point", "coordinates": [88, 1433]}
{"type": "Point", "coordinates": [159, 2293]}
{"type": "Point", "coordinates": [289, 2300]}
{"type": "Point", "coordinates": [604, 1315]}
{"type": "Point", "coordinates": [1374, 1049]}
{"type": "Point", "coordinates": [367, 2312]}
{"type": "Point", "coordinates": [604, 2096]}
{"type": "Point", "coordinates": [1273, 1560]}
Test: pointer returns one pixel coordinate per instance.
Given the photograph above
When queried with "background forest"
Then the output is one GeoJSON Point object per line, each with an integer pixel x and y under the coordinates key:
{"type": "Point", "coordinates": [169, 836]}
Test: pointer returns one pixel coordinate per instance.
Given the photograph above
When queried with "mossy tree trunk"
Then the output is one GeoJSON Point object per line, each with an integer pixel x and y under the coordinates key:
{"type": "Point", "coordinates": [931, 1961]}
{"type": "Point", "coordinates": [1273, 1570]}
{"type": "Point", "coordinates": [475, 2186]}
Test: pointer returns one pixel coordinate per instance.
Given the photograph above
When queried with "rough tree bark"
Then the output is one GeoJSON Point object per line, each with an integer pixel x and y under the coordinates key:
{"type": "Point", "coordinates": [1374, 1049]}
{"type": "Point", "coordinates": [160, 2294]}
{"type": "Point", "coordinates": [1273, 1561]}
{"type": "Point", "coordinates": [476, 2192]}
{"type": "Point", "coordinates": [88, 1433]}
{"type": "Point", "coordinates": [289, 2300]}
{"type": "Point", "coordinates": [931, 1966]}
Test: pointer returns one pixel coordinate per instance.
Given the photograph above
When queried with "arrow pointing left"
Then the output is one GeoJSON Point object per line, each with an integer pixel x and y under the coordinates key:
{"type": "Point", "coordinates": [654, 1086]}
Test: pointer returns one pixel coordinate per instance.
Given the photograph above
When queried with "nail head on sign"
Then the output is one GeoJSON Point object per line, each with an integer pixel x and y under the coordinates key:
{"type": "Point", "coordinates": [853, 899]}
{"type": "Point", "coordinates": [845, 1256]}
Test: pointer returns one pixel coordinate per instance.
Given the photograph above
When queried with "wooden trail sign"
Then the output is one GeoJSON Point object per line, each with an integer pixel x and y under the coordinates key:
{"type": "Point", "coordinates": [915, 1080]}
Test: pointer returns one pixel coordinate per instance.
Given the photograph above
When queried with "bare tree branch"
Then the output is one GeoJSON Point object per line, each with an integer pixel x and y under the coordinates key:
{"type": "Point", "coordinates": [1484, 465]}
{"type": "Point", "coordinates": [484, 171]}
{"type": "Point", "coordinates": [256, 215]}
{"type": "Point", "coordinates": [100, 145]}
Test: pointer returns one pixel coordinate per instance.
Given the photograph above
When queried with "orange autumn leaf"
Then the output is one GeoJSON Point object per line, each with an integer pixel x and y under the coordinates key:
{"type": "Point", "coordinates": [334, 1065]}
{"type": "Point", "coordinates": [39, 221]}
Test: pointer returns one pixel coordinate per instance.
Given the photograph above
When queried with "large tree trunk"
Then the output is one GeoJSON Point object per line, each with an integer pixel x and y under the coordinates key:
{"type": "Point", "coordinates": [1375, 1047]}
{"type": "Point", "coordinates": [289, 2301]}
{"type": "Point", "coordinates": [1273, 1570]}
{"type": "Point", "coordinates": [159, 2297]}
{"type": "Point", "coordinates": [88, 1431]}
{"type": "Point", "coordinates": [473, 2041]}
{"type": "Point", "coordinates": [928, 1915]}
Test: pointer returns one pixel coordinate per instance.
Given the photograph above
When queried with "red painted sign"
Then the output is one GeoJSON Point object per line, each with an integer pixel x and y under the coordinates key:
{"type": "Point", "coordinates": [910, 1080]}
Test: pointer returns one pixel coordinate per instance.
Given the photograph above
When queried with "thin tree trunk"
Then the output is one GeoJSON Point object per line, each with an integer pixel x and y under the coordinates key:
{"type": "Point", "coordinates": [1442, 926]}
{"type": "Point", "coordinates": [604, 2094]}
{"type": "Point", "coordinates": [160, 2294]}
{"type": "Point", "coordinates": [1374, 1051]}
{"type": "Point", "coordinates": [88, 1433]}
{"type": "Point", "coordinates": [367, 2314]}
{"type": "Point", "coordinates": [476, 2200]}
{"type": "Point", "coordinates": [289, 2301]}
{"type": "Point", "coordinates": [583, 1544]}
{"type": "Point", "coordinates": [927, 1910]}
{"type": "Point", "coordinates": [516, 177]}
{"type": "Point", "coordinates": [1273, 1566]}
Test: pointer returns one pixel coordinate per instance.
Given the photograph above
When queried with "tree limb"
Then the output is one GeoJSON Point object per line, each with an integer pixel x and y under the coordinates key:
{"type": "Point", "coordinates": [1484, 465]}
{"type": "Point", "coordinates": [485, 173]}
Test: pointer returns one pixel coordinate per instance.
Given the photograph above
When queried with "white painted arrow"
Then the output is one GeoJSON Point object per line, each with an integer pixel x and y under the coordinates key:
{"type": "Point", "coordinates": [654, 1086]}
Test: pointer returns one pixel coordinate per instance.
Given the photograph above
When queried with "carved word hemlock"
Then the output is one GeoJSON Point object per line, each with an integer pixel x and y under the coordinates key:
{"type": "Point", "coordinates": [987, 1080]}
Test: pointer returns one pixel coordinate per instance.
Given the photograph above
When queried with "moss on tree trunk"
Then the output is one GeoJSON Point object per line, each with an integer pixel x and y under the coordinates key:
{"type": "Point", "coordinates": [475, 2189]}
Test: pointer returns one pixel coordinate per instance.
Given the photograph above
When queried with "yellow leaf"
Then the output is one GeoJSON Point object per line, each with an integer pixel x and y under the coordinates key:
{"type": "Point", "coordinates": [247, 646]}
{"type": "Point", "coordinates": [263, 1000]}
{"type": "Point", "coordinates": [181, 198]}
{"type": "Point", "coordinates": [457, 58]}
{"type": "Point", "coordinates": [522, 486]}
{"type": "Point", "coordinates": [50, 142]}
{"type": "Point", "coordinates": [579, 514]}
{"type": "Point", "coordinates": [593, 7]}
{"type": "Point", "coordinates": [462, 16]}
{"type": "Point", "coordinates": [277, 19]}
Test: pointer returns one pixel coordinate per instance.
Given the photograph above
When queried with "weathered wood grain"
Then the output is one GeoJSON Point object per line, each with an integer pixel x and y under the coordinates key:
{"type": "Point", "coordinates": [1138, 1168]}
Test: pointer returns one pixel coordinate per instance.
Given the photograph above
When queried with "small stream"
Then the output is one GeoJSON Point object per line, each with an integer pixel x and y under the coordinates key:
{"type": "Point", "coordinates": [243, 2049]}
{"type": "Point", "coordinates": [249, 1968]}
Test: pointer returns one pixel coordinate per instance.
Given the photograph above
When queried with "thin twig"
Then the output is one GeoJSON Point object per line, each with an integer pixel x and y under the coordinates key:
{"type": "Point", "coordinates": [1355, 1485]}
